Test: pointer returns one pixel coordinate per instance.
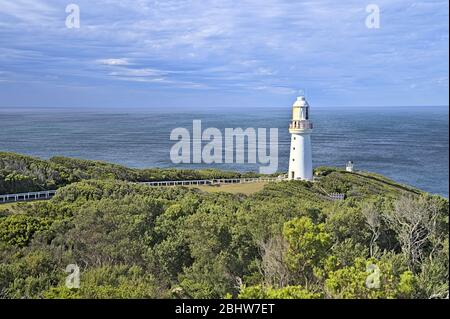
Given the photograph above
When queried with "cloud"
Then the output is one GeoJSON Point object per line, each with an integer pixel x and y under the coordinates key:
{"type": "Point", "coordinates": [31, 12]}
{"type": "Point", "coordinates": [137, 72]}
{"type": "Point", "coordinates": [277, 90]}
{"type": "Point", "coordinates": [114, 61]}
{"type": "Point", "coordinates": [231, 46]}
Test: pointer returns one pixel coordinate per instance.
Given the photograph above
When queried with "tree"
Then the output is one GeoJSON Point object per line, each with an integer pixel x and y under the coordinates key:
{"type": "Point", "coordinates": [368, 279]}
{"type": "Point", "coordinates": [289, 292]}
{"type": "Point", "coordinates": [309, 244]}
{"type": "Point", "coordinates": [19, 229]}
{"type": "Point", "coordinates": [433, 279]}
{"type": "Point", "coordinates": [373, 221]}
{"type": "Point", "coordinates": [273, 262]}
{"type": "Point", "coordinates": [414, 221]}
{"type": "Point", "coordinates": [110, 282]}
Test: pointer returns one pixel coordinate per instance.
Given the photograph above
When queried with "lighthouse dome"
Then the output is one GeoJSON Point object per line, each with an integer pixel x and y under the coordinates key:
{"type": "Point", "coordinates": [300, 109]}
{"type": "Point", "coordinates": [300, 102]}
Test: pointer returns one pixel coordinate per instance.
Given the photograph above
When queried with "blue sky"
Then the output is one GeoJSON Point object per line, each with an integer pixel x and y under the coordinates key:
{"type": "Point", "coordinates": [211, 53]}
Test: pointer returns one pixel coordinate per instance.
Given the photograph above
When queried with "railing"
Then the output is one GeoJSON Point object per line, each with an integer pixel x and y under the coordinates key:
{"type": "Point", "coordinates": [336, 196]}
{"type": "Point", "coordinates": [31, 196]}
{"type": "Point", "coordinates": [23, 197]}
{"type": "Point", "coordinates": [333, 196]}
{"type": "Point", "coordinates": [301, 125]}
{"type": "Point", "coordinates": [213, 181]}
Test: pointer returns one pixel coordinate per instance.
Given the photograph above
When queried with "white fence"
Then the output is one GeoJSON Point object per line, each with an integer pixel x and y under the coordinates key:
{"type": "Point", "coordinates": [30, 196]}
{"type": "Point", "coordinates": [23, 197]}
{"type": "Point", "coordinates": [214, 181]}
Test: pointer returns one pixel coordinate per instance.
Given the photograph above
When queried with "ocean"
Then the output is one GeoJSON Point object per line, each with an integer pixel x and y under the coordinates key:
{"type": "Point", "coordinates": [408, 144]}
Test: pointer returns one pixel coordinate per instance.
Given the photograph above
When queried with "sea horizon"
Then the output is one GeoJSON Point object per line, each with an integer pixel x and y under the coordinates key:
{"type": "Point", "coordinates": [384, 140]}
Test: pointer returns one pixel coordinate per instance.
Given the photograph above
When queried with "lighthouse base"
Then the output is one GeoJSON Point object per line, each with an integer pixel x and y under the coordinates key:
{"type": "Point", "coordinates": [300, 161]}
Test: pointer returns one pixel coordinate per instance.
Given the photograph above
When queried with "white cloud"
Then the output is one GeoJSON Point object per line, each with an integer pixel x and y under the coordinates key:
{"type": "Point", "coordinates": [136, 72]}
{"type": "Point", "coordinates": [265, 71]}
{"type": "Point", "coordinates": [269, 45]}
{"type": "Point", "coordinates": [276, 90]}
{"type": "Point", "coordinates": [114, 61]}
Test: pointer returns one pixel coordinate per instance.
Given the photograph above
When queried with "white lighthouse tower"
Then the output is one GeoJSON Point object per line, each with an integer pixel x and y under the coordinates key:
{"type": "Point", "coordinates": [300, 161]}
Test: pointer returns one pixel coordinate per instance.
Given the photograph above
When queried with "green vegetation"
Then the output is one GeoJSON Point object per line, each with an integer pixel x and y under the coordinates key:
{"type": "Point", "coordinates": [7, 206]}
{"type": "Point", "coordinates": [287, 240]}
{"type": "Point", "coordinates": [20, 173]}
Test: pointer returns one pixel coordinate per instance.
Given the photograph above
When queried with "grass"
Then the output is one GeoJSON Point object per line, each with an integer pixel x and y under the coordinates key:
{"type": "Point", "coordinates": [10, 207]}
{"type": "Point", "coordinates": [14, 207]}
{"type": "Point", "coordinates": [246, 189]}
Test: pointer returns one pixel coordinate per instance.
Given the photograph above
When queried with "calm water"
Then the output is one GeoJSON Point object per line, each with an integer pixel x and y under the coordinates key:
{"type": "Point", "coordinates": [409, 145]}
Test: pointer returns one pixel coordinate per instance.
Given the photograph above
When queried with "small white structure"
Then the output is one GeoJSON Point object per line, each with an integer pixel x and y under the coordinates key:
{"type": "Point", "coordinates": [349, 167]}
{"type": "Point", "coordinates": [300, 161]}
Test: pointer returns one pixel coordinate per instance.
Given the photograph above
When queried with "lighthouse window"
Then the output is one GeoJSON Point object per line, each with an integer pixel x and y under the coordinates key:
{"type": "Point", "coordinates": [293, 148]}
{"type": "Point", "coordinates": [293, 159]}
{"type": "Point", "coordinates": [294, 138]}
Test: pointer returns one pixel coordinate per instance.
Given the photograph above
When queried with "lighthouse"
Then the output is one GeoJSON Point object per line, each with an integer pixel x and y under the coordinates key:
{"type": "Point", "coordinates": [300, 160]}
